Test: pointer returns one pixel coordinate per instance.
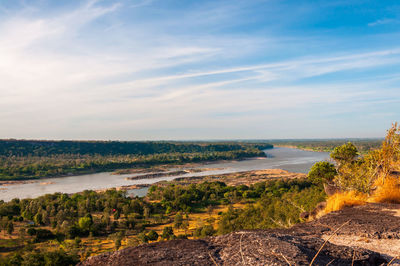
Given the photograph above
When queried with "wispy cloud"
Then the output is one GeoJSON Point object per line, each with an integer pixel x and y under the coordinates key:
{"type": "Point", "coordinates": [383, 22]}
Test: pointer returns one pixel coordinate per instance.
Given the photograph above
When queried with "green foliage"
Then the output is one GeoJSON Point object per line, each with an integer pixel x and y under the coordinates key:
{"type": "Point", "coordinates": [85, 223]}
{"type": "Point", "coordinates": [34, 258]}
{"type": "Point", "coordinates": [328, 145]}
{"type": "Point", "coordinates": [40, 234]}
{"type": "Point", "coordinates": [322, 172]}
{"type": "Point", "coordinates": [280, 205]}
{"type": "Point", "coordinates": [203, 231]}
{"type": "Point", "coordinates": [346, 153]}
{"type": "Point", "coordinates": [353, 171]}
{"type": "Point", "coordinates": [104, 148]}
{"type": "Point", "coordinates": [196, 196]}
{"type": "Point", "coordinates": [143, 237]}
{"type": "Point", "coordinates": [10, 227]}
{"type": "Point", "coordinates": [152, 235]}
{"type": "Point", "coordinates": [168, 233]}
{"type": "Point", "coordinates": [77, 241]}
{"type": "Point", "coordinates": [274, 203]}
{"type": "Point", "coordinates": [178, 220]}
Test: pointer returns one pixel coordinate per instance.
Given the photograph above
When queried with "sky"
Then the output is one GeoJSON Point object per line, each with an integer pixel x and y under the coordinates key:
{"type": "Point", "coordinates": [169, 69]}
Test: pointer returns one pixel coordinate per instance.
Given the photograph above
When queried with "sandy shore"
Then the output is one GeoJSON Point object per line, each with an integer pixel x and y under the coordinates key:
{"type": "Point", "coordinates": [16, 182]}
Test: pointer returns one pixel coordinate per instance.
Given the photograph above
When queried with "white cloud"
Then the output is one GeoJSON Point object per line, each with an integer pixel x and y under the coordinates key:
{"type": "Point", "coordinates": [383, 22]}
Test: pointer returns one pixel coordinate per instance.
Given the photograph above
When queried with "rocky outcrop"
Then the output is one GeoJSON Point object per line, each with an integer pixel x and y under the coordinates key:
{"type": "Point", "coordinates": [293, 246]}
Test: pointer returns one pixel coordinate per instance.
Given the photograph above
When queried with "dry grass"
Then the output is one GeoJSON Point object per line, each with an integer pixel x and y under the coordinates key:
{"type": "Point", "coordinates": [388, 191]}
{"type": "Point", "coordinates": [348, 198]}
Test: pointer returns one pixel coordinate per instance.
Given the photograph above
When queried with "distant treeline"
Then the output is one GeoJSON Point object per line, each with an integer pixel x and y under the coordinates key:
{"type": "Point", "coordinates": [48, 148]}
{"type": "Point", "coordinates": [34, 159]}
{"type": "Point", "coordinates": [363, 145]}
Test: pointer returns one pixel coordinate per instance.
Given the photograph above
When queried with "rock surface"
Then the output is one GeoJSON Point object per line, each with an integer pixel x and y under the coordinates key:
{"type": "Point", "coordinates": [293, 246]}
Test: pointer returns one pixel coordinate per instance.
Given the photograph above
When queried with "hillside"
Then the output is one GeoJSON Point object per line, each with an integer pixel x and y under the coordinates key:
{"type": "Point", "coordinates": [370, 235]}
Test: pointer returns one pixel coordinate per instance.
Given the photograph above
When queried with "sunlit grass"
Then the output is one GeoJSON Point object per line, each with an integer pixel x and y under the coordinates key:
{"type": "Point", "coordinates": [345, 199]}
{"type": "Point", "coordinates": [388, 191]}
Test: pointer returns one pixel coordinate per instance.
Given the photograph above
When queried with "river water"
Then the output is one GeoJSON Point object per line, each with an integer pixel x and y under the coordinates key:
{"type": "Point", "coordinates": [289, 159]}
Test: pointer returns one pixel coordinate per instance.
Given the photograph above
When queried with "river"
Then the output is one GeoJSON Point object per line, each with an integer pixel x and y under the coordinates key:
{"type": "Point", "coordinates": [289, 159]}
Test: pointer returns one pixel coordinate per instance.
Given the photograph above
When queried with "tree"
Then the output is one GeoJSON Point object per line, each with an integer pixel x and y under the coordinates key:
{"type": "Point", "coordinates": [118, 239]}
{"type": "Point", "coordinates": [143, 237]}
{"type": "Point", "coordinates": [168, 233]}
{"type": "Point", "coordinates": [322, 172]}
{"type": "Point", "coordinates": [77, 241]}
{"type": "Point", "coordinates": [203, 231]}
{"type": "Point", "coordinates": [347, 153]}
{"type": "Point", "coordinates": [85, 224]}
{"type": "Point", "coordinates": [178, 220]}
{"type": "Point", "coordinates": [38, 218]}
{"type": "Point", "coordinates": [185, 226]}
{"type": "Point", "coordinates": [152, 235]}
{"type": "Point", "coordinates": [10, 227]}
{"type": "Point", "coordinates": [117, 243]}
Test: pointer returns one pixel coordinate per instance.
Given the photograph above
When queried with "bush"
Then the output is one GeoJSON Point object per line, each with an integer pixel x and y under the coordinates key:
{"type": "Point", "coordinates": [203, 231]}
{"type": "Point", "coordinates": [40, 234]}
{"type": "Point", "coordinates": [56, 258]}
{"type": "Point", "coordinates": [346, 153]}
{"type": "Point", "coordinates": [322, 172]}
{"type": "Point", "coordinates": [168, 233]}
{"type": "Point", "coordinates": [152, 235]}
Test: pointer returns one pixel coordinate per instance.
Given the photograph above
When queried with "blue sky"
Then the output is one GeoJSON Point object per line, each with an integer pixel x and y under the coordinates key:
{"type": "Point", "coordinates": [160, 69]}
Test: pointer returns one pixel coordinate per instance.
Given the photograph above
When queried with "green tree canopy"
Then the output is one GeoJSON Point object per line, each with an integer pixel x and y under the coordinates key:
{"type": "Point", "coordinates": [322, 172]}
{"type": "Point", "coordinates": [85, 223]}
{"type": "Point", "coordinates": [346, 153]}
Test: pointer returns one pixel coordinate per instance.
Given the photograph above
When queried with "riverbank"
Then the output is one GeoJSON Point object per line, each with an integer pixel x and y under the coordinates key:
{"type": "Point", "coordinates": [140, 168]}
{"type": "Point", "coordinates": [292, 160]}
{"type": "Point", "coordinates": [303, 148]}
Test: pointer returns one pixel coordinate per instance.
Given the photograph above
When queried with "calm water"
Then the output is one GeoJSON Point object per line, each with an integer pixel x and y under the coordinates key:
{"type": "Point", "coordinates": [293, 160]}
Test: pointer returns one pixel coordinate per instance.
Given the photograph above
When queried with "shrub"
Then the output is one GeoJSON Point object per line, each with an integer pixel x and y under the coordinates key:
{"type": "Point", "coordinates": [168, 233]}
{"type": "Point", "coordinates": [322, 172]}
{"type": "Point", "coordinates": [40, 234]}
{"type": "Point", "coordinates": [345, 154]}
{"type": "Point", "coordinates": [204, 231]}
{"type": "Point", "coordinates": [152, 235]}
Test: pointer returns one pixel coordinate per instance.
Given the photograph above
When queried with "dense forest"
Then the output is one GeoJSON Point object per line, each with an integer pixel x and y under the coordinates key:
{"type": "Point", "coordinates": [23, 159]}
{"type": "Point", "coordinates": [106, 148]}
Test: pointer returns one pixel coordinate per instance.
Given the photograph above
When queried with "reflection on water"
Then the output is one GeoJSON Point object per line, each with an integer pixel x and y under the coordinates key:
{"type": "Point", "coordinates": [293, 160]}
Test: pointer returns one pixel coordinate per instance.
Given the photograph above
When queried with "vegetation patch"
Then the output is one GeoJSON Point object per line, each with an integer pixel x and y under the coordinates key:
{"type": "Point", "coordinates": [373, 177]}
